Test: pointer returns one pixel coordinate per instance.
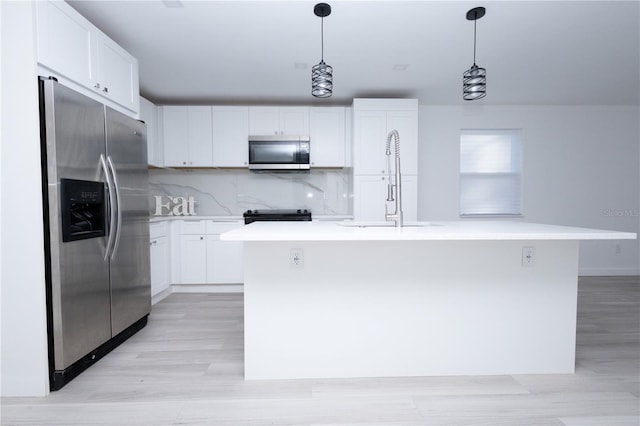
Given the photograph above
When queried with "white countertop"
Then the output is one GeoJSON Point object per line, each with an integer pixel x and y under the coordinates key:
{"type": "Point", "coordinates": [436, 231]}
{"type": "Point", "coordinates": [238, 218]}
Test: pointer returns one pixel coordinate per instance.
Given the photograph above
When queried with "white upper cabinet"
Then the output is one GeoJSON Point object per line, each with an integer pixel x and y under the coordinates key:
{"type": "Point", "coordinates": [149, 114]}
{"type": "Point", "coordinates": [372, 123]}
{"type": "Point", "coordinates": [294, 120]}
{"type": "Point", "coordinates": [117, 74]}
{"type": "Point", "coordinates": [187, 136]}
{"type": "Point", "coordinates": [327, 129]}
{"type": "Point", "coordinates": [200, 136]}
{"type": "Point", "coordinates": [73, 49]}
{"type": "Point", "coordinates": [66, 42]}
{"type": "Point", "coordinates": [230, 136]}
{"type": "Point", "coordinates": [279, 120]}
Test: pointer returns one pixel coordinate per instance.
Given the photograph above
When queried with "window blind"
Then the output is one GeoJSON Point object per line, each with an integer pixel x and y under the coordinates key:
{"type": "Point", "coordinates": [490, 172]}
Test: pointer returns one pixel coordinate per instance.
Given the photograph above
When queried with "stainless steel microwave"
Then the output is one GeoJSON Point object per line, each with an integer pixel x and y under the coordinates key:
{"type": "Point", "coordinates": [278, 152]}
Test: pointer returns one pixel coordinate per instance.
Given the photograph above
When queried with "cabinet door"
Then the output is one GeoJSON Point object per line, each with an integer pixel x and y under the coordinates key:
{"type": "Point", "coordinates": [193, 259]}
{"type": "Point", "coordinates": [264, 121]}
{"type": "Point", "coordinates": [224, 261]}
{"type": "Point", "coordinates": [406, 123]}
{"type": "Point", "coordinates": [149, 114]}
{"type": "Point", "coordinates": [117, 74]}
{"type": "Point", "coordinates": [160, 265]}
{"type": "Point", "coordinates": [230, 136]}
{"type": "Point", "coordinates": [66, 42]}
{"type": "Point", "coordinates": [294, 121]}
{"type": "Point", "coordinates": [200, 136]}
{"type": "Point", "coordinates": [370, 135]}
{"type": "Point", "coordinates": [369, 197]}
{"type": "Point", "coordinates": [327, 132]}
{"type": "Point", "coordinates": [174, 129]}
{"type": "Point", "coordinates": [409, 198]}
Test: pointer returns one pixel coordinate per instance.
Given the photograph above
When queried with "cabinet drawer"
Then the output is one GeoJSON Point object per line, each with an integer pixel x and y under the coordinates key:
{"type": "Point", "coordinates": [217, 228]}
{"type": "Point", "coordinates": [158, 229]}
{"type": "Point", "coordinates": [192, 227]}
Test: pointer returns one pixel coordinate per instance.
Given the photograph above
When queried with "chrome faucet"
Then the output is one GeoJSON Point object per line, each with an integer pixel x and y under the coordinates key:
{"type": "Point", "coordinates": [397, 185]}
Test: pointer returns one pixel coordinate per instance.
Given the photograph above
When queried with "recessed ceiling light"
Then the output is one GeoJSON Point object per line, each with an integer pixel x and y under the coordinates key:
{"type": "Point", "coordinates": [172, 3]}
{"type": "Point", "coordinates": [300, 65]}
{"type": "Point", "coordinates": [400, 67]}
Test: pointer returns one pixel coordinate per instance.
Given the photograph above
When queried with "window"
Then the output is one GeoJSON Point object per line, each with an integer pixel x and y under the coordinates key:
{"type": "Point", "coordinates": [490, 172]}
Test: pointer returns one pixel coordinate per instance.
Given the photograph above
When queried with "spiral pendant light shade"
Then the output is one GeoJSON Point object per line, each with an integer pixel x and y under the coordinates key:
{"type": "Point", "coordinates": [474, 83]}
{"type": "Point", "coordinates": [322, 74]}
{"type": "Point", "coordinates": [474, 80]}
{"type": "Point", "coordinates": [322, 80]}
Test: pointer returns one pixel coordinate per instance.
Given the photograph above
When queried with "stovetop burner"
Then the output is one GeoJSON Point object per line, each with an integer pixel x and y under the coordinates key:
{"type": "Point", "coordinates": [251, 216]}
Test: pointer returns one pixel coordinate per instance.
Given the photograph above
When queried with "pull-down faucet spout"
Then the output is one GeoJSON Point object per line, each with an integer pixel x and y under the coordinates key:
{"type": "Point", "coordinates": [397, 183]}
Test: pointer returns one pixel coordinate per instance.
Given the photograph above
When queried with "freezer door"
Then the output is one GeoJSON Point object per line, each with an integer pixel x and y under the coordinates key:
{"type": "Point", "coordinates": [130, 270]}
{"type": "Point", "coordinates": [72, 134]}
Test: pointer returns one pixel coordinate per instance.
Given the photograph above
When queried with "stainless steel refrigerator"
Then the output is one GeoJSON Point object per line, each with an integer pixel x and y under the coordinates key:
{"type": "Point", "coordinates": [96, 220]}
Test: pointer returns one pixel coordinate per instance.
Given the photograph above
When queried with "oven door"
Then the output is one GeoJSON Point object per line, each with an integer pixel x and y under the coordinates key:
{"type": "Point", "coordinates": [278, 153]}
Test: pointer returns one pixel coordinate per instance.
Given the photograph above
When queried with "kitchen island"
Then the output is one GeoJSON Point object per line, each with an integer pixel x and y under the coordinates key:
{"type": "Point", "coordinates": [350, 299]}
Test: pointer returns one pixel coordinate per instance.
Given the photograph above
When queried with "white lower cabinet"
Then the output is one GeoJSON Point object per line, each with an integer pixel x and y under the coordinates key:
{"type": "Point", "coordinates": [370, 195]}
{"type": "Point", "coordinates": [203, 258]}
{"type": "Point", "coordinates": [193, 259]}
{"type": "Point", "coordinates": [224, 261]}
{"type": "Point", "coordinates": [160, 265]}
{"type": "Point", "coordinates": [160, 257]}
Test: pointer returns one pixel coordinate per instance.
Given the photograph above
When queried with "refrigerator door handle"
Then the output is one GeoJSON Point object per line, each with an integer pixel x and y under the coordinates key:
{"type": "Point", "coordinates": [112, 209]}
{"type": "Point", "coordinates": [114, 176]}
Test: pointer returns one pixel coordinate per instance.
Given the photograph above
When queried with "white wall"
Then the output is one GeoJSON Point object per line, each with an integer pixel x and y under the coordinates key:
{"type": "Point", "coordinates": [23, 361]}
{"type": "Point", "coordinates": [581, 168]}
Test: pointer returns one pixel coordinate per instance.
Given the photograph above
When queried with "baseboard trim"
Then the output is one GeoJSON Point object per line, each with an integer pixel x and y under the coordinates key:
{"type": "Point", "coordinates": [160, 296]}
{"type": "Point", "coordinates": [197, 288]}
{"type": "Point", "coordinates": [602, 272]}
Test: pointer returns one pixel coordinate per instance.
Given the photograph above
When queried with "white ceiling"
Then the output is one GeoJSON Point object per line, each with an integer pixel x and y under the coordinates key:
{"type": "Point", "coordinates": [535, 52]}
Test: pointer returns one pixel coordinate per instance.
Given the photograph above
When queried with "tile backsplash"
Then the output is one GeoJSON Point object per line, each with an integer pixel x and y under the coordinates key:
{"type": "Point", "coordinates": [230, 192]}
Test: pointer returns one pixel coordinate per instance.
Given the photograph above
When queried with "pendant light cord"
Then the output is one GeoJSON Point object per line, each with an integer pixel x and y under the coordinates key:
{"type": "Point", "coordinates": [475, 22]}
{"type": "Point", "coordinates": [322, 40]}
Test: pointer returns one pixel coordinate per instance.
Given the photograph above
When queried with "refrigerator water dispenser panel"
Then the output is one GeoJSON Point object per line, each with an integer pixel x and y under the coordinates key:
{"type": "Point", "coordinates": [82, 209]}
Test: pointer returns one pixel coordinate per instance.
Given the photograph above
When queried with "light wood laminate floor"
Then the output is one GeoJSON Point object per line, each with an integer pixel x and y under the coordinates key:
{"type": "Point", "coordinates": [186, 368]}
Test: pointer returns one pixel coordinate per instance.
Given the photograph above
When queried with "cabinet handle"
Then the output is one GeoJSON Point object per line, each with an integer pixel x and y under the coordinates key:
{"type": "Point", "coordinates": [96, 86]}
{"type": "Point", "coordinates": [184, 162]}
{"type": "Point", "coordinates": [105, 89]}
{"type": "Point", "coordinates": [202, 238]}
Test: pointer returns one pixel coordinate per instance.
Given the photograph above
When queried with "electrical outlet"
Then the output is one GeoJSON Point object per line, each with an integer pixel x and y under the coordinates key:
{"type": "Point", "coordinates": [528, 256]}
{"type": "Point", "coordinates": [296, 258]}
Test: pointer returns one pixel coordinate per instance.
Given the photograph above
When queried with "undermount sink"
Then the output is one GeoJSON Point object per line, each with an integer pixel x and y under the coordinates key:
{"type": "Point", "coordinates": [362, 224]}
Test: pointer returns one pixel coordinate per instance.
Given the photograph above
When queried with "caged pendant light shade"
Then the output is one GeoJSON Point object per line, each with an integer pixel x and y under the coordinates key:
{"type": "Point", "coordinates": [474, 80]}
{"type": "Point", "coordinates": [322, 74]}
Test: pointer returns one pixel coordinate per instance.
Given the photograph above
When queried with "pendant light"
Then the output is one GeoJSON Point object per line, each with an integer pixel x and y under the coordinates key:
{"type": "Point", "coordinates": [474, 80]}
{"type": "Point", "coordinates": [322, 74]}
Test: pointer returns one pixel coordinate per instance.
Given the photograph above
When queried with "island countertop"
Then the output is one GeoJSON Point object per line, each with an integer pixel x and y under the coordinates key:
{"type": "Point", "coordinates": [416, 231]}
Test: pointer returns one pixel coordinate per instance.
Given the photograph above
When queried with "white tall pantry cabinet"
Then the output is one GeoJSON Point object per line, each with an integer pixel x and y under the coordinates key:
{"type": "Point", "coordinates": [373, 119]}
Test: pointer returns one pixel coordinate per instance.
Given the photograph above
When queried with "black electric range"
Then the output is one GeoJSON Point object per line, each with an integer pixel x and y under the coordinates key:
{"type": "Point", "coordinates": [251, 216]}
